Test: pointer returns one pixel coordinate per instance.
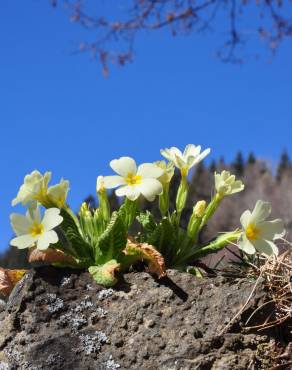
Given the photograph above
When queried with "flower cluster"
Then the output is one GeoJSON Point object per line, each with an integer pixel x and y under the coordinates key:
{"type": "Point", "coordinates": [35, 187]}
{"type": "Point", "coordinates": [98, 239]}
{"type": "Point", "coordinates": [32, 229]}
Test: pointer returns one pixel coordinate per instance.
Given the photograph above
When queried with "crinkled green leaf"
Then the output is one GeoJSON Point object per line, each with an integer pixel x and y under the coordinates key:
{"type": "Point", "coordinates": [72, 232]}
{"type": "Point", "coordinates": [112, 241]}
{"type": "Point", "coordinates": [128, 212]}
{"type": "Point", "coordinates": [105, 274]}
{"type": "Point", "coordinates": [168, 238]}
{"type": "Point", "coordinates": [147, 221]}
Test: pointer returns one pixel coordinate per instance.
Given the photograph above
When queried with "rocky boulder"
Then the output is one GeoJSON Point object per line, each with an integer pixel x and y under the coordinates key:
{"type": "Point", "coordinates": [61, 319]}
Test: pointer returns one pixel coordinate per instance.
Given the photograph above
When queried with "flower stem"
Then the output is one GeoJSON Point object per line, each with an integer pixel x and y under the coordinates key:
{"type": "Point", "coordinates": [164, 200]}
{"type": "Point", "coordinates": [210, 210]}
{"type": "Point", "coordinates": [104, 205]}
{"type": "Point", "coordinates": [217, 244]}
{"type": "Point", "coordinates": [181, 197]}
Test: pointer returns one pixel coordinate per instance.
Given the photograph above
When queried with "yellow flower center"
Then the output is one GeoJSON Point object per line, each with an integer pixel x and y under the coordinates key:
{"type": "Point", "coordinates": [133, 179]}
{"type": "Point", "coordinates": [36, 229]}
{"type": "Point", "coordinates": [252, 232]}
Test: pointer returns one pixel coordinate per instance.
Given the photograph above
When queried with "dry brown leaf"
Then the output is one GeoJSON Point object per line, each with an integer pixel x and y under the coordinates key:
{"type": "Point", "coordinates": [8, 279]}
{"type": "Point", "coordinates": [51, 256]}
{"type": "Point", "coordinates": [146, 252]}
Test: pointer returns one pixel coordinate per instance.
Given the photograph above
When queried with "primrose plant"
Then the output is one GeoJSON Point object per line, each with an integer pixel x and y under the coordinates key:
{"type": "Point", "coordinates": [99, 239]}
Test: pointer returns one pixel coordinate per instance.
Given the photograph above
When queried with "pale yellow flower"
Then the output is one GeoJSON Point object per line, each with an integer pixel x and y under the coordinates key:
{"type": "Point", "coordinates": [185, 161]}
{"type": "Point", "coordinates": [35, 187]}
{"type": "Point", "coordinates": [226, 184]}
{"type": "Point", "coordinates": [133, 181]}
{"type": "Point", "coordinates": [258, 234]}
{"type": "Point", "coordinates": [32, 230]}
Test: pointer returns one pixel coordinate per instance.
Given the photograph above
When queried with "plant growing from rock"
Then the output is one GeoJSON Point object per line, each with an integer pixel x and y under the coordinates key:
{"type": "Point", "coordinates": [99, 239]}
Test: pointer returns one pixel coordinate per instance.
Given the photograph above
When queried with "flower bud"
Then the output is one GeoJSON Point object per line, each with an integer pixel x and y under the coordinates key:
{"type": "Point", "coordinates": [226, 184]}
{"type": "Point", "coordinates": [84, 211]}
{"type": "Point", "coordinates": [100, 188]}
{"type": "Point", "coordinates": [199, 208]}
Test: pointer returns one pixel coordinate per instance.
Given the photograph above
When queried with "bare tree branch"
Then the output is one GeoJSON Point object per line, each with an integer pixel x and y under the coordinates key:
{"type": "Point", "coordinates": [115, 38]}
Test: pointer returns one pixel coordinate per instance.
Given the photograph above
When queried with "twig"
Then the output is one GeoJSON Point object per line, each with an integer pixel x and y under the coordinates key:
{"type": "Point", "coordinates": [243, 307]}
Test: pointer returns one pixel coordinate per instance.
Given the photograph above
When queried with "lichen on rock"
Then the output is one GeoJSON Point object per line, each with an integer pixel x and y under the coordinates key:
{"type": "Point", "coordinates": [142, 323]}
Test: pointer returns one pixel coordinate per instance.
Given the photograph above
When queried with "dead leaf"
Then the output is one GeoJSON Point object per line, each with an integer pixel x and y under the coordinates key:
{"type": "Point", "coordinates": [146, 252]}
{"type": "Point", "coordinates": [8, 279]}
{"type": "Point", "coordinates": [50, 255]}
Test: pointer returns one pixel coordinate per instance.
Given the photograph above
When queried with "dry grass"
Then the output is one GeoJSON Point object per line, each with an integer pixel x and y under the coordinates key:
{"type": "Point", "coordinates": [277, 275]}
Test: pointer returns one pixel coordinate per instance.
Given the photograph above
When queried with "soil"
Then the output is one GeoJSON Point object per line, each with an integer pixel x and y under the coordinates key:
{"type": "Point", "coordinates": [61, 319]}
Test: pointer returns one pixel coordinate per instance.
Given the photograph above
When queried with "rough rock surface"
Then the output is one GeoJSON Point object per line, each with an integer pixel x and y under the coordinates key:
{"type": "Point", "coordinates": [61, 319]}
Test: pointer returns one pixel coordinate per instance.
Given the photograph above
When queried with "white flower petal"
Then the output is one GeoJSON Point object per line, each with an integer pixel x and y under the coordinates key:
{"type": "Point", "coordinates": [133, 192]}
{"type": "Point", "coordinates": [51, 218]}
{"type": "Point", "coordinates": [123, 166]}
{"type": "Point", "coordinates": [19, 223]}
{"type": "Point", "coordinates": [122, 191]}
{"type": "Point", "coordinates": [179, 162]}
{"type": "Point", "coordinates": [245, 219]}
{"type": "Point", "coordinates": [266, 247]}
{"type": "Point", "coordinates": [200, 157]}
{"type": "Point", "coordinates": [23, 196]}
{"type": "Point", "coordinates": [32, 178]}
{"type": "Point", "coordinates": [100, 183]}
{"type": "Point", "coordinates": [23, 241]}
{"type": "Point", "coordinates": [176, 151]}
{"type": "Point", "coordinates": [166, 153]}
{"type": "Point", "coordinates": [111, 182]}
{"type": "Point", "coordinates": [230, 180]}
{"type": "Point", "coordinates": [271, 230]}
{"type": "Point", "coordinates": [225, 175]}
{"type": "Point", "coordinates": [47, 178]}
{"type": "Point", "coordinates": [58, 193]}
{"type": "Point", "coordinates": [47, 238]}
{"type": "Point", "coordinates": [149, 170]}
{"type": "Point", "coordinates": [218, 180]}
{"type": "Point", "coordinates": [261, 211]}
{"type": "Point", "coordinates": [170, 153]}
{"type": "Point", "coordinates": [150, 188]}
{"type": "Point", "coordinates": [191, 150]}
{"type": "Point", "coordinates": [33, 213]}
{"type": "Point", "coordinates": [237, 186]}
{"type": "Point", "coordinates": [33, 184]}
{"type": "Point", "coordinates": [245, 245]}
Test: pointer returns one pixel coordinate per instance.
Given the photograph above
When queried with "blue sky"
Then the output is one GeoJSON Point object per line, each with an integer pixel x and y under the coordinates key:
{"type": "Point", "coordinates": [58, 113]}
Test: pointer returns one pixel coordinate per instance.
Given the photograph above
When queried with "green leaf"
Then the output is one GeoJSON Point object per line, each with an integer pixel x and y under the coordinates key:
{"type": "Point", "coordinates": [128, 212]}
{"type": "Point", "coordinates": [147, 221]}
{"type": "Point", "coordinates": [164, 238]}
{"type": "Point", "coordinates": [105, 274]}
{"type": "Point", "coordinates": [195, 271]}
{"type": "Point", "coordinates": [71, 229]}
{"type": "Point", "coordinates": [217, 244]}
{"type": "Point", "coordinates": [112, 241]}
